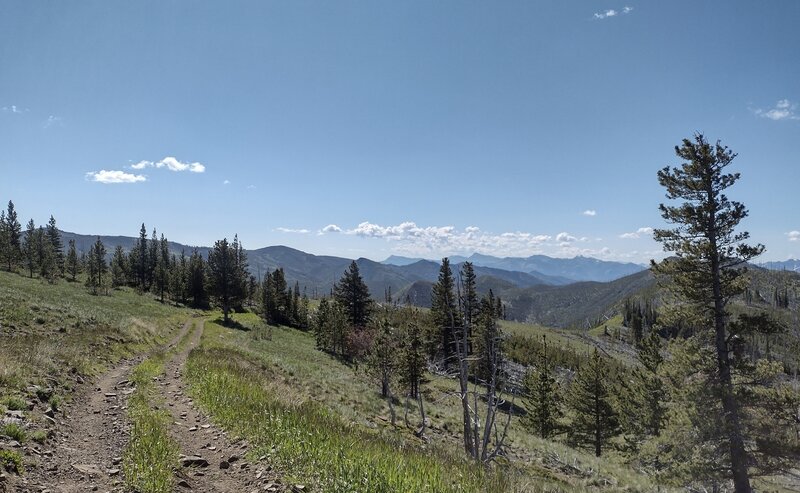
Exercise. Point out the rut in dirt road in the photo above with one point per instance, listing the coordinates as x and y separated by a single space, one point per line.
86 449
212 461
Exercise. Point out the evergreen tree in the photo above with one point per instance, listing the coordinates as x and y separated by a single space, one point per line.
139 259
543 402
153 249
240 274
96 268
161 276
595 420
44 255
412 358
280 303
72 265
11 237
353 296
221 266
443 312
268 300
57 246
470 305
705 274
30 250
179 278
196 280
118 267
382 357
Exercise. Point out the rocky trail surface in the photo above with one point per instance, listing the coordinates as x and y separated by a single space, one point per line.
87 441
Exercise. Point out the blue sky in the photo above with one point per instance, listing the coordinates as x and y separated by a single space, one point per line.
419 128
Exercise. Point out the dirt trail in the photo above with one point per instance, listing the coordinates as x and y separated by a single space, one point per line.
227 469
84 454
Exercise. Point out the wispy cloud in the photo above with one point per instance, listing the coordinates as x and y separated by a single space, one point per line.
783 110
251 187
114 176
638 233
612 13
226 182
14 109
171 164
589 212
291 230
793 235
331 228
412 239
53 120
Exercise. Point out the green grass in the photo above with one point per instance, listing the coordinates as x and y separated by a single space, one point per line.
13 431
11 461
151 455
286 372
312 444
57 335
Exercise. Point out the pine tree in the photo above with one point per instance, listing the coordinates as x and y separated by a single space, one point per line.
595 420
470 304
196 280
353 296
707 271
96 267
222 275
118 267
543 402
644 404
30 249
57 246
44 255
153 248
161 276
412 358
443 312
139 259
10 237
72 265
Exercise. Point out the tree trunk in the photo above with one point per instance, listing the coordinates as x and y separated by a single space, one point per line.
730 407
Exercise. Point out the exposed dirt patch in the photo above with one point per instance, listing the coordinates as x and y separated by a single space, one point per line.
85 449
212 461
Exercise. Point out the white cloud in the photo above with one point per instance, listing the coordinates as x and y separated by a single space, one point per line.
612 13
646 230
565 237
589 212
251 187
53 120
290 230
607 13
14 109
331 228
114 176
412 239
226 182
793 235
171 164
783 110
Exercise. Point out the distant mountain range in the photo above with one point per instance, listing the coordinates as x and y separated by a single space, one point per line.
791 264
550 291
557 270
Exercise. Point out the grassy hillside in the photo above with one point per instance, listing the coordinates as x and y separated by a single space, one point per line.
56 337
310 409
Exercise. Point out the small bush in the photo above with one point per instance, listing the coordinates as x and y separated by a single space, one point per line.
11 461
13 431
39 436
15 403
